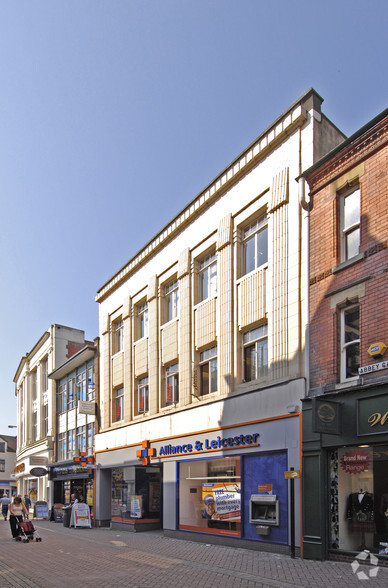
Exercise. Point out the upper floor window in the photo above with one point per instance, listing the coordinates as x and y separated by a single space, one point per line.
2 447
44 375
117 336
350 224
142 396
2 465
45 415
118 404
62 446
71 392
172 385
350 342
208 371
255 245
171 295
90 433
34 385
142 320
81 386
255 344
207 277
62 397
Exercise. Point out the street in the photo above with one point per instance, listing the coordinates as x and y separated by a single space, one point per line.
109 558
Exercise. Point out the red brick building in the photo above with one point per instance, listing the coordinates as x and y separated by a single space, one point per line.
345 417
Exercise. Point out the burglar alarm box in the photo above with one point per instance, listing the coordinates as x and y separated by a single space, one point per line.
264 509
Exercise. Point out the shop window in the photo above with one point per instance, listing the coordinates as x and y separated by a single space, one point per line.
210 496
359 499
255 349
2 465
118 404
255 245
207 277
171 384
142 320
136 493
142 396
350 224
350 342
117 336
171 300
208 371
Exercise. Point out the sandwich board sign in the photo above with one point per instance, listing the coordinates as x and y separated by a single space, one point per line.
80 515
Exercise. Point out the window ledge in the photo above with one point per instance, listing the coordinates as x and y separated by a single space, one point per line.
348 263
348 384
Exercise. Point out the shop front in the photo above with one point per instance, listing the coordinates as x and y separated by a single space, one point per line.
345 465
69 478
228 484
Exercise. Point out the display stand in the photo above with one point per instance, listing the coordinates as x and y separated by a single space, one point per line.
80 515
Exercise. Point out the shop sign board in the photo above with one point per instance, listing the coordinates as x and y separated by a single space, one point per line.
217 444
372 415
41 510
327 416
58 513
374 367
38 472
80 515
86 407
38 460
291 474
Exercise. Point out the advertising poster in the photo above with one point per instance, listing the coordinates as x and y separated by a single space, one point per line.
221 501
81 515
136 507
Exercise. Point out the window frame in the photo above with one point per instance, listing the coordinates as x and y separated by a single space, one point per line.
346 231
345 345
207 266
252 232
2 465
171 378
118 402
117 336
171 300
208 359
143 394
142 320
253 343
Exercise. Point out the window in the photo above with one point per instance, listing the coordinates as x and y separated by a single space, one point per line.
71 443
81 386
90 432
350 342
255 354
142 396
117 336
81 441
207 277
208 371
91 386
45 415
142 320
255 245
2 465
118 404
62 397
2 447
350 224
172 384
171 294
44 375
61 446
71 391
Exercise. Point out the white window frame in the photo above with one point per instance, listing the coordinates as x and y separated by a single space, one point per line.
143 394
171 390
347 229
117 336
207 277
208 365
253 340
44 375
346 345
91 388
45 414
171 298
118 397
142 320
251 235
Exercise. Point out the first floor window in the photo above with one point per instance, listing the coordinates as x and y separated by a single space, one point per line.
350 224
254 245
35 420
62 397
117 336
45 415
91 386
208 371
62 446
71 443
2 465
172 384
118 404
255 353
350 342
171 293
142 396
90 432
81 439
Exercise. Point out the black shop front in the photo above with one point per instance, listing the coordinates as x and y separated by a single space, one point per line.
70 478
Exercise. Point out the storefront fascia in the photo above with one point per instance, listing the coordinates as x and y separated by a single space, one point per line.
232 464
37 488
67 473
344 474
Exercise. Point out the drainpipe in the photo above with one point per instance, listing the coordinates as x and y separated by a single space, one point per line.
305 253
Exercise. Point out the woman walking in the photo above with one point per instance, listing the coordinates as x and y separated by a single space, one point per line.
16 510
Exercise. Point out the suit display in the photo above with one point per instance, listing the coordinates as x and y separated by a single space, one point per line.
384 509
360 512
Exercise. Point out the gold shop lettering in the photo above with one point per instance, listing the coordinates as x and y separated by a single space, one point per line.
378 418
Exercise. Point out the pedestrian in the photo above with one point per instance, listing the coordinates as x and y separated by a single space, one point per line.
16 511
5 502
27 502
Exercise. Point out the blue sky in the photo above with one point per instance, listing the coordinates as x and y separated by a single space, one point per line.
114 114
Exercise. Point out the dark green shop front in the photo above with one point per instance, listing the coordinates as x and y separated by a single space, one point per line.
345 473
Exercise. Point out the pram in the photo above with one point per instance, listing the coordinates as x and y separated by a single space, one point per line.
27 531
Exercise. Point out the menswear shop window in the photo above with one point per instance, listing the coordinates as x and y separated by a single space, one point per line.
350 342
350 224
255 245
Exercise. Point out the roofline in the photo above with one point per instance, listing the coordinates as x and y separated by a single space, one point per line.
310 93
89 351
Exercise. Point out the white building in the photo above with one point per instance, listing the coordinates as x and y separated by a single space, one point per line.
202 353
7 464
36 408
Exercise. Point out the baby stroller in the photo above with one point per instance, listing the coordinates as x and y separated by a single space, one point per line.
27 531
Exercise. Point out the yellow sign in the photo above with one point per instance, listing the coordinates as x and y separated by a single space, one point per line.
377 349
292 474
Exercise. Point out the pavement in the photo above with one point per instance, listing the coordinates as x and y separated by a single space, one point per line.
101 558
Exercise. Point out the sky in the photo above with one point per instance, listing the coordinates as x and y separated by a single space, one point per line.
114 114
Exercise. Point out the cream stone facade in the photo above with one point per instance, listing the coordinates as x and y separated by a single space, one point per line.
202 340
36 408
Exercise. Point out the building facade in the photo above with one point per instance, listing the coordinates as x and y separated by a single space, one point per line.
345 418
76 392
202 353
7 465
36 409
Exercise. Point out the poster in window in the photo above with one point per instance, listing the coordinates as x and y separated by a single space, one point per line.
221 501
136 507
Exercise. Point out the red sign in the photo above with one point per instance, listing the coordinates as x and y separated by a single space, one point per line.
264 488
355 461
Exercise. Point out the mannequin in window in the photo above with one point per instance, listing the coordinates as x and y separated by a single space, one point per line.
360 511
384 509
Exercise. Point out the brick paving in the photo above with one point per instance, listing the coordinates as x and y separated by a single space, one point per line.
102 558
